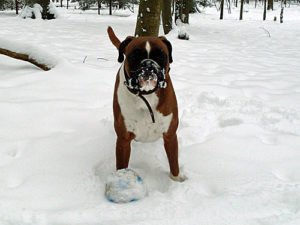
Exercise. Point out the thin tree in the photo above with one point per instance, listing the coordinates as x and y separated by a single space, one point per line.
45 6
222 9
265 10
242 9
281 15
270 4
167 15
148 18
182 10
17 7
110 7
98 6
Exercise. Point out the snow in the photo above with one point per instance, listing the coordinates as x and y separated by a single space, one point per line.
40 55
238 90
26 12
37 11
53 10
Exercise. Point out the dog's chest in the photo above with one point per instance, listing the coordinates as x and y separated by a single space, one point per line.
137 117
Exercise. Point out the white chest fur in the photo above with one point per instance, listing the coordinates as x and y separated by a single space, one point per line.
137 116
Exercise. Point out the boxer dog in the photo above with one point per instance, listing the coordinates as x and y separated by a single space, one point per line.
144 103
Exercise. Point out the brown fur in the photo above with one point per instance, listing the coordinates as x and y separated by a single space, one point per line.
113 38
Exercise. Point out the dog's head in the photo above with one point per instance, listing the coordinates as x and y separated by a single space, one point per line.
146 60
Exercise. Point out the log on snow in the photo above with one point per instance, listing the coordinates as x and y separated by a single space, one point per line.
28 53
24 57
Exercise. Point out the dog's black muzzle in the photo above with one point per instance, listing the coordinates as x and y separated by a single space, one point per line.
148 70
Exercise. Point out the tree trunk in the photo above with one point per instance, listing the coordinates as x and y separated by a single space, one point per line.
222 9
242 9
148 18
187 7
17 7
110 7
178 10
45 6
182 10
167 15
265 10
281 15
99 6
270 4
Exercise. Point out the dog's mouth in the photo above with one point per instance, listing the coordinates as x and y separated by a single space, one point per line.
147 78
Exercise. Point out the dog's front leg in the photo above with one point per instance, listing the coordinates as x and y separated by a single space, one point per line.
171 147
123 149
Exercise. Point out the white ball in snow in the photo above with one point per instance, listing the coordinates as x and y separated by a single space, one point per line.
124 186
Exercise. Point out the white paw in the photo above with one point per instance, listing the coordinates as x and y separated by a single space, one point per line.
179 178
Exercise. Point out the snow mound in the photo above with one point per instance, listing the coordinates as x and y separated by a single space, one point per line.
125 186
34 52
53 10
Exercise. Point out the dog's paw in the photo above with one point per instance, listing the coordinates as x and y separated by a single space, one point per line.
179 178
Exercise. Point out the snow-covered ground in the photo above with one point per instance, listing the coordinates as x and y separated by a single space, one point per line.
238 87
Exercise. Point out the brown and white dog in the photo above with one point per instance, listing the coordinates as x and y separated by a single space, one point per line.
144 104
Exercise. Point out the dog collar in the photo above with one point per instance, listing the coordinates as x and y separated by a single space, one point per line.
134 89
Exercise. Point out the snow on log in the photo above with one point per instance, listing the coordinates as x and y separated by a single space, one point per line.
28 53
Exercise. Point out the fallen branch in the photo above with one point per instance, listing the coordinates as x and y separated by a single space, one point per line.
266 31
28 53
23 57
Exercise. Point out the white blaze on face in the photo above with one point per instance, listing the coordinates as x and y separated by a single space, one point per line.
148 48
150 84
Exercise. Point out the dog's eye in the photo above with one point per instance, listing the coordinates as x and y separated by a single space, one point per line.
158 56
137 56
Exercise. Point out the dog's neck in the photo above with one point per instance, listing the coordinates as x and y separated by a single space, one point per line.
124 78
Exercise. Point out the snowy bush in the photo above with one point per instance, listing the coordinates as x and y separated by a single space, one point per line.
6 4
36 11
27 12
52 10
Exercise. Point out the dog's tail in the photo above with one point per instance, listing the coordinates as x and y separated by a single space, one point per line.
113 38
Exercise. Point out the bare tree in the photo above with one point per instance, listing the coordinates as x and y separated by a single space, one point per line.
270 4
242 9
148 18
222 9
167 15
265 10
182 10
17 6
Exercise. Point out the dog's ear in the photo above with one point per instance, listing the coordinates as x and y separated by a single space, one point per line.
122 47
113 38
169 46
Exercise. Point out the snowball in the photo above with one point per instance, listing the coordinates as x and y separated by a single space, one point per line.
124 186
